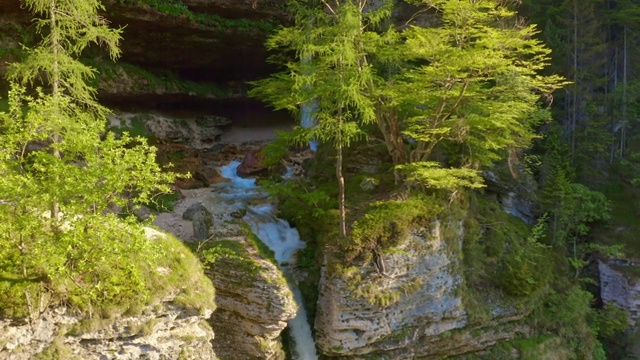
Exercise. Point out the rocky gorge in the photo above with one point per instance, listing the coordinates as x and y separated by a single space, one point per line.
181 82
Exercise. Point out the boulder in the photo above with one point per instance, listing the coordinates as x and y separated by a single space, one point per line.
208 175
201 219
252 164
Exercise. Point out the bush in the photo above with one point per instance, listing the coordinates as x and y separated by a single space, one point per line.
386 224
99 266
523 267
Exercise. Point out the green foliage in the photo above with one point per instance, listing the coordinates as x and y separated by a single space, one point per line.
300 200
630 168
520 272
330 72
385 224
573 209
143 80
67 29
57 350
222 251
179 270
241 255
100 266
611 321
431 175
472 81
164 201
330 68
502 250
59 174
179 8
535 348
566 314
275 151
170 7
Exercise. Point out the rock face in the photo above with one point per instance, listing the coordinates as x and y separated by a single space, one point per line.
221 42
424 314
196 132
222 50
164 331
253 300
619 286
252 164
254 306
201 219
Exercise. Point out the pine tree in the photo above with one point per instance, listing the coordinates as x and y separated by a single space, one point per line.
331 69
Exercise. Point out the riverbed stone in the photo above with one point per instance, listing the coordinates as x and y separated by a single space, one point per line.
252 164
201 219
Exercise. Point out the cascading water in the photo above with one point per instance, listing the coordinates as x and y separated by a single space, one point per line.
307 120
279 237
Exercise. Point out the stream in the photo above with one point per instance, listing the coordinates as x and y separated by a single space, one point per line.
281 238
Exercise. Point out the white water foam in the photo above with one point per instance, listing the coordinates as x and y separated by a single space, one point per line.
279 237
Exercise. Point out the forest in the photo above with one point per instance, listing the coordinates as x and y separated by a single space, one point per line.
507 128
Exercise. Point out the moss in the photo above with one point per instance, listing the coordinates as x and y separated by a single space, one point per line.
149 327
386 224
232 253
263 250
86 326
146 81
178 8
57 350
185 275
164 202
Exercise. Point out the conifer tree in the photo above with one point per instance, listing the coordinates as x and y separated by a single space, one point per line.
60 171
331 69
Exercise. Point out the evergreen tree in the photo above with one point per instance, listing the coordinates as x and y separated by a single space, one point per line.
60 171
331 69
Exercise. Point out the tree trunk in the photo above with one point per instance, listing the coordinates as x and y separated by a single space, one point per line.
55 89
623 128
574 109
389 125
339 175
340 178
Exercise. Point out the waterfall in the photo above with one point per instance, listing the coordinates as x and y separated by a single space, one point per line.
282 239
308 109
307 120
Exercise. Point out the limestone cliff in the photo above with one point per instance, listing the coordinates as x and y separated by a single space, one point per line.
172 326
205 49
423 312
163 331
253 300
254 305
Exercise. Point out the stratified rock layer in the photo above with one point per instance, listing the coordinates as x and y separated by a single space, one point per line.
424 314
619 286
164 331
254 306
